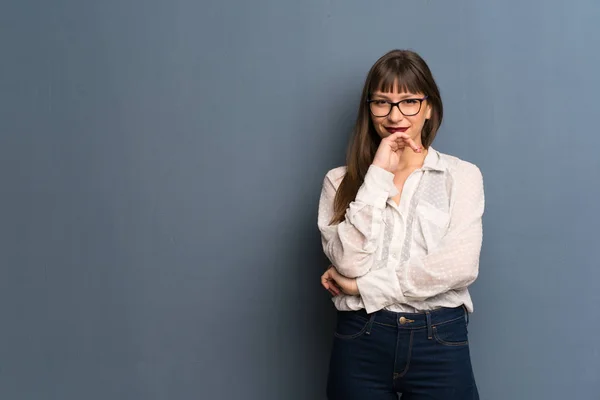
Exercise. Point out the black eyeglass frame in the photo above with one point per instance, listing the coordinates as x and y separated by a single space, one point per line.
397 104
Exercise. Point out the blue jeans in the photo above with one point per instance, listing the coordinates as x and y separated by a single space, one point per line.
423 356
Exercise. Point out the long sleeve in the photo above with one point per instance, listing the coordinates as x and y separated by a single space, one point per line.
453 263
351 245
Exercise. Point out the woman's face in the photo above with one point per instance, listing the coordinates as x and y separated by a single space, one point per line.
396 121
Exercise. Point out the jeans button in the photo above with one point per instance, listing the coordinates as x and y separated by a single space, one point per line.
402 320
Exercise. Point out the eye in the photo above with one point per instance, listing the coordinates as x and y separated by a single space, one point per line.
379 102
410 101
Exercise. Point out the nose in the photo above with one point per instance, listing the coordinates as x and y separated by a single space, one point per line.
395 115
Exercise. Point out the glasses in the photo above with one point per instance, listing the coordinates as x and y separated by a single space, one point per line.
408 107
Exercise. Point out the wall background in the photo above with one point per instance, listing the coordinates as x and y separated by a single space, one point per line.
160 166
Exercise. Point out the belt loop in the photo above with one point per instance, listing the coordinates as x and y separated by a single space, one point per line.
429 327
466 314
370 324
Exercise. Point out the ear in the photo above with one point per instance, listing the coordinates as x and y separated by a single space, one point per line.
428 113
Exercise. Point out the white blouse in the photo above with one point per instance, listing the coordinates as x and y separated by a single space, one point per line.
419 255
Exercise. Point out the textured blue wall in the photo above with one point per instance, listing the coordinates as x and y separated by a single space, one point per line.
160 166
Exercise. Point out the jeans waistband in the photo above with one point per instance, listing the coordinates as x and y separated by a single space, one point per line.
426 319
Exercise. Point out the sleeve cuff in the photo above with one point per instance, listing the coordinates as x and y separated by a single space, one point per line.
377 188
379 289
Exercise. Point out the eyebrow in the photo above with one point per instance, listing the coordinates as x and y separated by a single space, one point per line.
403 97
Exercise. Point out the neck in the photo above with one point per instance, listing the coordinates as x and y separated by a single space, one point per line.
411 160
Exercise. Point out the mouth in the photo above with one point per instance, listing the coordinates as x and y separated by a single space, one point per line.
394 130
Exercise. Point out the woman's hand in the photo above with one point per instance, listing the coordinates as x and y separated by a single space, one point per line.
389 150
336 283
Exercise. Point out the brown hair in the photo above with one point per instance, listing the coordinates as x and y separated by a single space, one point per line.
409 73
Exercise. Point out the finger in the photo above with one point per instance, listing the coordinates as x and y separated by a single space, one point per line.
398 135
332 285
413 145
329 283
400 144
390 138
325 281
334 288
339 280
334 274
402 140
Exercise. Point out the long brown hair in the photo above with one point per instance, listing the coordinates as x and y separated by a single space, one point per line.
409 73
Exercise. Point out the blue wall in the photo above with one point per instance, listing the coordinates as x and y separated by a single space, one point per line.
161 164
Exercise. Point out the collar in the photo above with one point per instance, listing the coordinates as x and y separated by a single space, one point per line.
434 161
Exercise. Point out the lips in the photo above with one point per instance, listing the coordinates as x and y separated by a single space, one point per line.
394 130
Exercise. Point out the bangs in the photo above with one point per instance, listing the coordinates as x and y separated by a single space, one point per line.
397 76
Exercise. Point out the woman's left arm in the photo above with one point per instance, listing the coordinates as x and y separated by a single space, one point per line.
454 264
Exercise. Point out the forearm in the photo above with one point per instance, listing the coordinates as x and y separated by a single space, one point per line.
421 278
352 244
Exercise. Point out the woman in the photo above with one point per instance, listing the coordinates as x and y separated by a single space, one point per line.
402 227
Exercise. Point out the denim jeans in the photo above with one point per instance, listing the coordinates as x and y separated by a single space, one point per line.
422 356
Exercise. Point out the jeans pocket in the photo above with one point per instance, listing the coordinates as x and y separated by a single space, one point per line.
452 333
350 325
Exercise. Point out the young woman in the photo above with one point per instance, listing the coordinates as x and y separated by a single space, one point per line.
402 227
